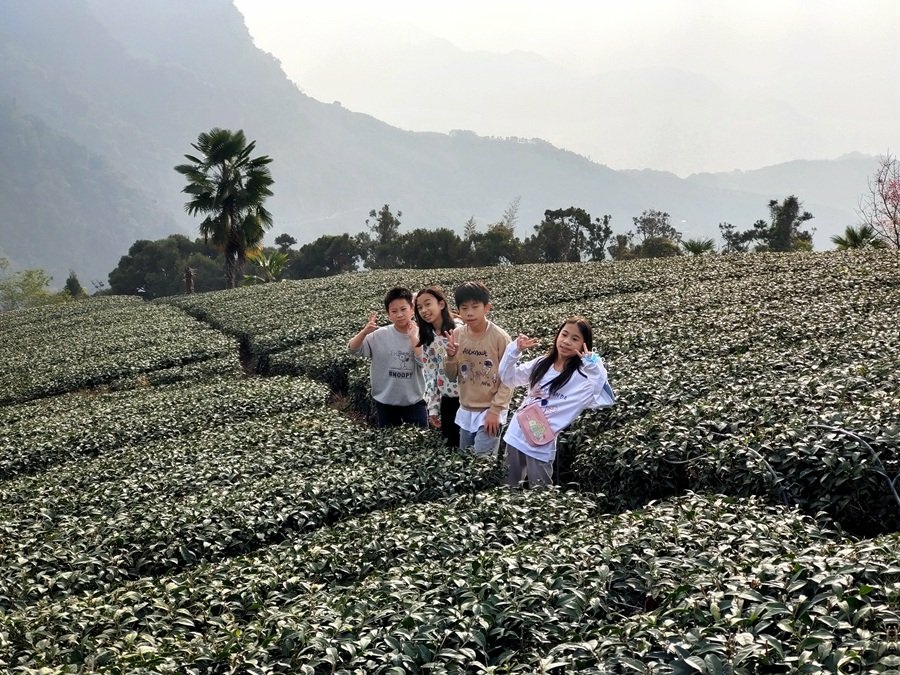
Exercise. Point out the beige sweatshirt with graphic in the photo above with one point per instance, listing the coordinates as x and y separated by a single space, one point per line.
476 367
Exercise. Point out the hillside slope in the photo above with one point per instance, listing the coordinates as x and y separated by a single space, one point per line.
160 521
135 82
68 208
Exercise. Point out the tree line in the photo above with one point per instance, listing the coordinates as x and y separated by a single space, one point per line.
228 186
571 234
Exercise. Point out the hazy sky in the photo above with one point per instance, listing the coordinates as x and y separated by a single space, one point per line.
680 85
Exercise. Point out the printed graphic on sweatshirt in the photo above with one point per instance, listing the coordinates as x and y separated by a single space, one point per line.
480 372
537 393
402 366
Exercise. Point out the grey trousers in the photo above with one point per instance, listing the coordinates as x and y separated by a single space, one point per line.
519 465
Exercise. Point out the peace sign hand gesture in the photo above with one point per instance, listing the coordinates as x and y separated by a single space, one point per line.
372 324
588 357
452 344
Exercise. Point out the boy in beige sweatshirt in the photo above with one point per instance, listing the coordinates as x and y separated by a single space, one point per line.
473 359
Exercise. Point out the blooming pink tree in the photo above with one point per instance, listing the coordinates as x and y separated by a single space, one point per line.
880 208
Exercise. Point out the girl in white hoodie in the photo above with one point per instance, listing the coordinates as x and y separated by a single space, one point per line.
562 383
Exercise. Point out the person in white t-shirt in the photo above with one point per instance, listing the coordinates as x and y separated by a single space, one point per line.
561 384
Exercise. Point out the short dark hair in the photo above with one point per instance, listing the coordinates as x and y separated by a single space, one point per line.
397 293
471 291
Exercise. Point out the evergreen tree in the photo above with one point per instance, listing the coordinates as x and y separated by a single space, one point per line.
73 287
284 242
659 238
327 255
568 235
154 269
781 233
381 250
427 249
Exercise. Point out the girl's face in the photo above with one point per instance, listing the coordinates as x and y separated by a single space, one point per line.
569 341
430 309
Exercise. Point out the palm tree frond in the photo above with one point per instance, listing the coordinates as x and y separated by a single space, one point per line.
857 237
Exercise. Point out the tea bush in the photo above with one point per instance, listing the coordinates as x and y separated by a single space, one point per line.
104 341
43 433
236 590
727 403
158 507
180 519
697 584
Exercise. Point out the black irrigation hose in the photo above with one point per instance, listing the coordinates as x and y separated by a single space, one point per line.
783 493
777 478
880 470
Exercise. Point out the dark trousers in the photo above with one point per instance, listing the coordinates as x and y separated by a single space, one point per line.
449 430
395 415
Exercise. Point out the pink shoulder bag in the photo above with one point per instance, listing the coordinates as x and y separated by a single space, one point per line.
534 424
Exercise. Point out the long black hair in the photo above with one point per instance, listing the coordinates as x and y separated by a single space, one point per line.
426 330
573 363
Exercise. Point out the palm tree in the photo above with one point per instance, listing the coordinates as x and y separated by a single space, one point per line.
270 267
229 187
699 246
858 237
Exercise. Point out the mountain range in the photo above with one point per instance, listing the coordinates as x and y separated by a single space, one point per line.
100 99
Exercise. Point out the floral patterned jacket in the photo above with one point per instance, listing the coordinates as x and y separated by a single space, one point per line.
437 383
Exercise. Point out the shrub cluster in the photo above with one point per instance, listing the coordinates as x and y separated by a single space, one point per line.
61 429
498 582
722 388
118 342
217 524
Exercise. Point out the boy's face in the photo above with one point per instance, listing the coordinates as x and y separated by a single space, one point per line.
400 312
474 313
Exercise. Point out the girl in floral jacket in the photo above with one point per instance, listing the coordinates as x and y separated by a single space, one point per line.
436 323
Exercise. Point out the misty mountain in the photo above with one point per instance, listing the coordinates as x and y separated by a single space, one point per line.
106 96
837 183
616 113
62 203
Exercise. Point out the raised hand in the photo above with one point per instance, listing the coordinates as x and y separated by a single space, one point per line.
524 342
372 325
588 356
413 332
452 344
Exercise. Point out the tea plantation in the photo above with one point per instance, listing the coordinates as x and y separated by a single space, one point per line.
188 486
